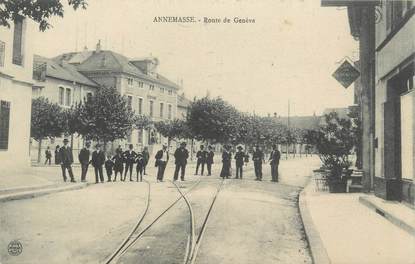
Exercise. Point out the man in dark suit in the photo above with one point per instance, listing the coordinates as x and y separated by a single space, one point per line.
201 159
66 157
209 160
83 157
239 162
98 160
258 157
129 158
181 155
162 157
274 158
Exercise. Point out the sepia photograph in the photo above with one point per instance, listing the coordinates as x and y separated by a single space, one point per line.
207 132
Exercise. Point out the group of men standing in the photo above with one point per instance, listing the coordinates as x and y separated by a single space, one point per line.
99 160
123 162
181 155
242 158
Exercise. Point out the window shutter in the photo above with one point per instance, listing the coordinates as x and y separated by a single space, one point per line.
4 124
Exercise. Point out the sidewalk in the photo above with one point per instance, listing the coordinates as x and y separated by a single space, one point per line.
43 179
35 181
341 229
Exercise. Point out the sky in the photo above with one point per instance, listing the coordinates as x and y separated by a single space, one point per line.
288 54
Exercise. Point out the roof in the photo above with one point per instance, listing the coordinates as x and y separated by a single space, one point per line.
342 112
302 122
62 71
107 60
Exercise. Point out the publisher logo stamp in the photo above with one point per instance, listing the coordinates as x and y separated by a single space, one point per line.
15 248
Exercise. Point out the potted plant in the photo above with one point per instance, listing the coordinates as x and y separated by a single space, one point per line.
335 141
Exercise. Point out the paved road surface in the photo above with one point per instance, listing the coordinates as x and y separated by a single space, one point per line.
251 222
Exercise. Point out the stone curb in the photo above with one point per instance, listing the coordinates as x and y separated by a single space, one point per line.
28 188
388 215
318 251
36 193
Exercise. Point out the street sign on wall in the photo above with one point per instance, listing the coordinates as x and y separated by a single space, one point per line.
346 74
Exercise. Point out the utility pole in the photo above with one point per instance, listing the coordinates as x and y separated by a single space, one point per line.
289 132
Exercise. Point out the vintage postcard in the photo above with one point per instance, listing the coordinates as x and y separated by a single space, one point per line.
207 132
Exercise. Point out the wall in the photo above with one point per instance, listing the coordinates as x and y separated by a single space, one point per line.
391 57
15 87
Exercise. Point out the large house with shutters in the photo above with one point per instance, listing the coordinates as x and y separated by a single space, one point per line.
15 94
62 84
70 77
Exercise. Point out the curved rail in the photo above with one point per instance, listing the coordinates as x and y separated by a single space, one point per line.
133 240
196 247
130 235
189 249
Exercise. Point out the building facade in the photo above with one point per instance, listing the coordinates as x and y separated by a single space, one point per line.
395 101
149 93
62 84
385 30
15 94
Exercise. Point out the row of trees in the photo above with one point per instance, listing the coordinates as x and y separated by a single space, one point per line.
107 116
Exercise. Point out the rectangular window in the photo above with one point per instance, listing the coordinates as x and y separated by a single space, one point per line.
89 97
130 81
151 108
170 112
18 41
61 95
151 86
140 106
162 89
170 92
2 53
68 98
396 11
4 124
161 109
140 84
130 100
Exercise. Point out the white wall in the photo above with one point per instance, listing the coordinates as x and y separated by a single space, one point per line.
16 87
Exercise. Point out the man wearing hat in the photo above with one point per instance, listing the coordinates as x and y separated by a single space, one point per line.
83 157
162 157
209 160
239 162
129 157
274 159
180 155
201 159
65 153
258 157
98 160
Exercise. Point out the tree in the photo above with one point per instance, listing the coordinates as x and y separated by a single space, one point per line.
335 141
106 116
47 121
172 129
142 122
38 10
213 119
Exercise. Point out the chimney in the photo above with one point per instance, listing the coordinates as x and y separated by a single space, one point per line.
98 47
